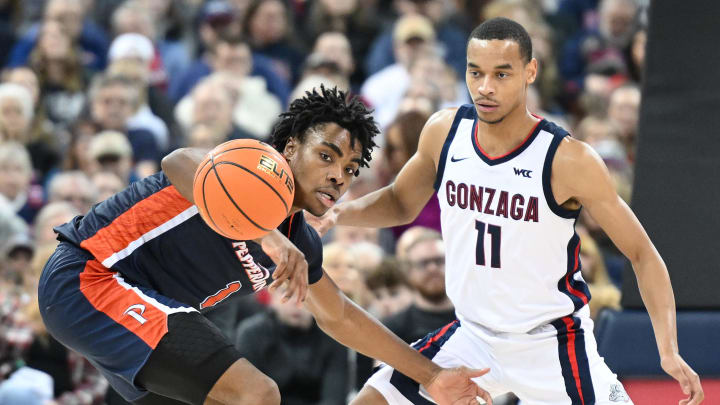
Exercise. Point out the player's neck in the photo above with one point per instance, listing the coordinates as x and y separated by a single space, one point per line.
427 305
500 138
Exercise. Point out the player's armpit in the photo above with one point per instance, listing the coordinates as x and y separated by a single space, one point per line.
179 166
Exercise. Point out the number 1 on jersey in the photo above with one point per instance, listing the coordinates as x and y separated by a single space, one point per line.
494 232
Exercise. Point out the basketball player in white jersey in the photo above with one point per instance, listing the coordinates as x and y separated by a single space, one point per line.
511 186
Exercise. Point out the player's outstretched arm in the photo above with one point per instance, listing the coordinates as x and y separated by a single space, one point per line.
579 173
350 325
401 201
180 165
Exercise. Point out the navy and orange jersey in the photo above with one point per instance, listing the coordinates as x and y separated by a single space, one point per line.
155 238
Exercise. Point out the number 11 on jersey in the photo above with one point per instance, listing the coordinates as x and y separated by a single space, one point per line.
494 231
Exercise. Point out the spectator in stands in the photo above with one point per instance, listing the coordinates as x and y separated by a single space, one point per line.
285 343
110 151
450 37
431 308
237 107
600 49
268 27
16 112
113 100
16 186
50 216
15 258
332 57
73 187
62 76
107 184
226 51
131 56
402 137
353 20
341 265
624 111
388 288
636 57
42 142
81 31
413 36
604 293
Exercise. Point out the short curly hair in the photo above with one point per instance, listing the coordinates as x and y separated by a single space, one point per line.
326 106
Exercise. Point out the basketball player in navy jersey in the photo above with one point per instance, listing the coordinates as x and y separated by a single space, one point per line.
128 280
511 186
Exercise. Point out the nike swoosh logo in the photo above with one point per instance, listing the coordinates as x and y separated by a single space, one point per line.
452 159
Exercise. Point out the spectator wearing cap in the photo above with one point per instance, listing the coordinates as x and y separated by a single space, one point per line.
413 36
110 151
16 256
221 46
112 102
171 56
74 187
131 56
16 185
82 31
451 39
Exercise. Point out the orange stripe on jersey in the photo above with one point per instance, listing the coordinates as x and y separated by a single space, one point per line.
437 337
122 305
141 218
221 295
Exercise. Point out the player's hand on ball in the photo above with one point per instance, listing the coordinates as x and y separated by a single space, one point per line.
324 223
291 266
689 381
453 386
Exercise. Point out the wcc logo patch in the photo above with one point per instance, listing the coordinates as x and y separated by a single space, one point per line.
522 172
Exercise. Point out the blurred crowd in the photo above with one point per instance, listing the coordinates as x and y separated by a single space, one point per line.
94 93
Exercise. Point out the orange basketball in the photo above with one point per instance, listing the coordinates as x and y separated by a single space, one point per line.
243 189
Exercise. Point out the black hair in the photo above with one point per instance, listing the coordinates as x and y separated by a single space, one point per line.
505 28
325 106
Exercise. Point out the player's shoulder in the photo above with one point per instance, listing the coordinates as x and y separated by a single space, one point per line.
438 126
572 152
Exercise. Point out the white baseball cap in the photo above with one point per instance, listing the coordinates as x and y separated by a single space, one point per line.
131 45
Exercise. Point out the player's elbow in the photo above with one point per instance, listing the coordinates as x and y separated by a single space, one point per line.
169 162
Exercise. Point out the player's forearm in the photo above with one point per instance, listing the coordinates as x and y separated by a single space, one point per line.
180 165
356 329
379 209
657 294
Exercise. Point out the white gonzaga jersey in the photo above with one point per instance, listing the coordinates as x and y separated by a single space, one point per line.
512 254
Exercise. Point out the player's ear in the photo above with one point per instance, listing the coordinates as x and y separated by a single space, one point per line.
291 148
531 69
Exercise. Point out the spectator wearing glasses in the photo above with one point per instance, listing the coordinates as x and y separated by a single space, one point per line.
425 270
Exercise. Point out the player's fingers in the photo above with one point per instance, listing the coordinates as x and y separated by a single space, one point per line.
474 372
485 396
696 391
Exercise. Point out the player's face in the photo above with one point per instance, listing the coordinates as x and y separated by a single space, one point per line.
497 78
324 165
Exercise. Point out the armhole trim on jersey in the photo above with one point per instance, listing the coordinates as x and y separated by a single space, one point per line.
546 177
290 222
461 113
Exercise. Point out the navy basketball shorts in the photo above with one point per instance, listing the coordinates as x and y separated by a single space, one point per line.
554 364
144 343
